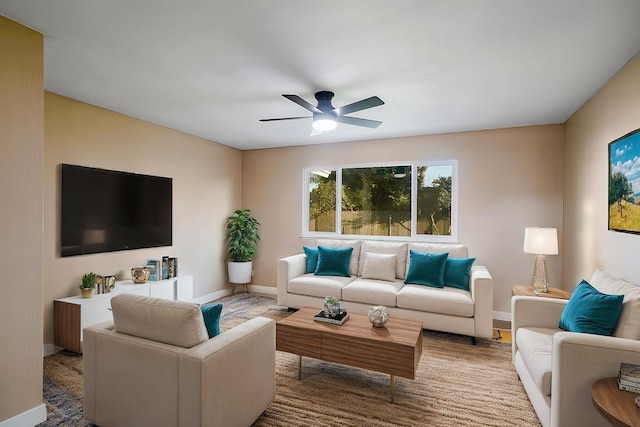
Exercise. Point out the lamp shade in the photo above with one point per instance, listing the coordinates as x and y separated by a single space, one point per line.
541 241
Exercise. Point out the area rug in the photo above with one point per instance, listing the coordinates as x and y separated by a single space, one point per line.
456 384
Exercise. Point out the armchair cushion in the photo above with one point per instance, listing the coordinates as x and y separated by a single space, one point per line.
591 311
535 346
171 322
629 321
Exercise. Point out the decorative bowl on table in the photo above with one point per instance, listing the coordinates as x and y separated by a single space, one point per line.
140 275
379 315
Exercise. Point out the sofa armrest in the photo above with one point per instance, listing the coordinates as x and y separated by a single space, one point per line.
288 268
579 360
229 379
538 312
481 287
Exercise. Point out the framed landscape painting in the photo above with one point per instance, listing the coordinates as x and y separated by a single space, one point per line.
624 183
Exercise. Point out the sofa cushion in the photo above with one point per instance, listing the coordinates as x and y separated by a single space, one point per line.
535 347
455 250
379 266
333 261
452 301
457 272
374 292
178 323
211 314
312 258
590 311
426 269
380 247
355 255
318 286
629 320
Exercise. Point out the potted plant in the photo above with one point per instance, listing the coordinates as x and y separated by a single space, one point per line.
88 284
242 243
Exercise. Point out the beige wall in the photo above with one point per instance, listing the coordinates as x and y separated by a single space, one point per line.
206 188
612 113
508 179
21 141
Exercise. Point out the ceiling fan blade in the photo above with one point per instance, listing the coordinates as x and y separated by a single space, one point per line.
285 118
374 101
301 102
358 122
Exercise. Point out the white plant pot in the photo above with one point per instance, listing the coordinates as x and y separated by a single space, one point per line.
240 272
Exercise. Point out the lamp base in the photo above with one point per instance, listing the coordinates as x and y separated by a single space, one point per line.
539 281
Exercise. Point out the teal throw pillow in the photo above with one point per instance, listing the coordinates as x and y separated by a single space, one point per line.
333 261
591 311
426 269
457 272
312 258
211 314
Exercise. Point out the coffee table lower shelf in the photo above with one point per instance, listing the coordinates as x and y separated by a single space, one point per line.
394 349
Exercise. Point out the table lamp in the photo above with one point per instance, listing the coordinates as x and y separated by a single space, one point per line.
541 242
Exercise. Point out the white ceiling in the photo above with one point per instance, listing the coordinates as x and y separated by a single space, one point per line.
214 68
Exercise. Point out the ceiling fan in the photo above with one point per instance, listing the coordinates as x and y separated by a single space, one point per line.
326 116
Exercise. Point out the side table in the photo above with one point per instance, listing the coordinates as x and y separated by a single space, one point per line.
527 290
615 405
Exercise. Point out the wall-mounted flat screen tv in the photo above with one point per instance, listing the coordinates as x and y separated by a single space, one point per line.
106 210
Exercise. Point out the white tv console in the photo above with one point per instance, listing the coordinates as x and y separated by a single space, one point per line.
73 314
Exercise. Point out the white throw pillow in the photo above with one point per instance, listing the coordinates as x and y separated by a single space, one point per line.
379 266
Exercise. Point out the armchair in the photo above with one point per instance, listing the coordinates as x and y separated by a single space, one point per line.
165 371
557 368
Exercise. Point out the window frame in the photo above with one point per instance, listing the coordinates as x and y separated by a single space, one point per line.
306 233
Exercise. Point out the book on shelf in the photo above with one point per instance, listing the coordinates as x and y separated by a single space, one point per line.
154 269
629 372
336 319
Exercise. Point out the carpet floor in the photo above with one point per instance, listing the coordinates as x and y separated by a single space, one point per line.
457 384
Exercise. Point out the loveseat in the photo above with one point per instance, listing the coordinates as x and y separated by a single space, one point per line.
157 366
556 367
377 271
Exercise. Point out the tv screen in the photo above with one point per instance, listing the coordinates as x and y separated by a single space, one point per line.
105 210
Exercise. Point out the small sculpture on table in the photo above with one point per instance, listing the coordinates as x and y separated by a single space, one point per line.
379 315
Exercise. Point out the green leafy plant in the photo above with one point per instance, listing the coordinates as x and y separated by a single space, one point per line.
242 235
88 281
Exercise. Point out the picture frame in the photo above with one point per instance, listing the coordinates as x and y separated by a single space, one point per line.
624 183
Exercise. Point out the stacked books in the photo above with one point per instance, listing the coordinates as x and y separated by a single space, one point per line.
336 319
629 377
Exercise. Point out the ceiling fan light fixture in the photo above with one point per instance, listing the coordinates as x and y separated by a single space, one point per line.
324 125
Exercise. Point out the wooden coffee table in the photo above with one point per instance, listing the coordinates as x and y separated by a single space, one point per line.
394 349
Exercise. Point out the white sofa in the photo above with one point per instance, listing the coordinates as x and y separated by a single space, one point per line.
557 368
445 309
165 371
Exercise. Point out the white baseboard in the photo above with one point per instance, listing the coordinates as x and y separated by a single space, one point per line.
50 349
32 417
502 315
265 290
213 296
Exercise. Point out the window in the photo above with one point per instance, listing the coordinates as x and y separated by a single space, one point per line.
398 201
